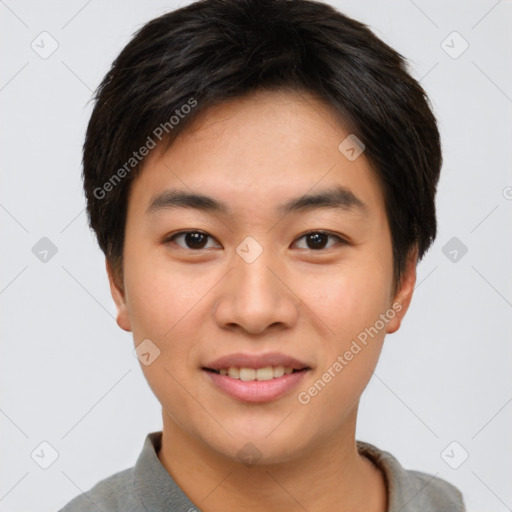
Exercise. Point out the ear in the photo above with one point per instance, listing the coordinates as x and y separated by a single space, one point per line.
118 294
403 296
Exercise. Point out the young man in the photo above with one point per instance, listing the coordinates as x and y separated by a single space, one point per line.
261 177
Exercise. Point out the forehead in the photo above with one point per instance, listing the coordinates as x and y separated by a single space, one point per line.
265 149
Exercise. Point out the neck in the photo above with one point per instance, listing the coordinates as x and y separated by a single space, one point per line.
329 476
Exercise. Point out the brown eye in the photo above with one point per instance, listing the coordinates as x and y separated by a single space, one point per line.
317 240
192 239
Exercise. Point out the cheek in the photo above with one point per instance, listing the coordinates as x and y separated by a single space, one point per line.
351 307
164 305
161 297
348 300
168 304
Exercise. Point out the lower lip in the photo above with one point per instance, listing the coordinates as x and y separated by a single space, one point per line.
257 391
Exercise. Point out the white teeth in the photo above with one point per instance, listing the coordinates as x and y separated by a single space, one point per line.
247 373
279 371
234 373
265 373
250 374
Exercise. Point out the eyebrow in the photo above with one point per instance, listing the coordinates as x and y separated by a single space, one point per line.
338 197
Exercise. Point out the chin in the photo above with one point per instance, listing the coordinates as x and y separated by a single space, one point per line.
261 443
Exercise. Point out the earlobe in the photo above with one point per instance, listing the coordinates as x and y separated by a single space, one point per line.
118 294
403 296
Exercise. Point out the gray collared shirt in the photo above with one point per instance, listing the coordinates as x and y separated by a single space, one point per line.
148 487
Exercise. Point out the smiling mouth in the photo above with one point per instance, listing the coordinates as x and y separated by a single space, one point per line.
259 374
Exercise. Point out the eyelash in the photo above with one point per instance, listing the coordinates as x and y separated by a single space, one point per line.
172 238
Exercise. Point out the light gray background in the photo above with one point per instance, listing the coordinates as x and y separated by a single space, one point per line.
68 374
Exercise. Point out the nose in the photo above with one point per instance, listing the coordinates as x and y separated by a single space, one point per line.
255 297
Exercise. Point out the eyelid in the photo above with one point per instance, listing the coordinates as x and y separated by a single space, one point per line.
170 238
341 240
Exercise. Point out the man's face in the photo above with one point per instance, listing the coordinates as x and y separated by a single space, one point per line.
257 278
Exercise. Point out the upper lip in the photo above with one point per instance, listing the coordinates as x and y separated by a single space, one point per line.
247 360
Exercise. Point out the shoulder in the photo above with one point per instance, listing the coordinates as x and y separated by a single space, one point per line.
113 494
440 494
413 491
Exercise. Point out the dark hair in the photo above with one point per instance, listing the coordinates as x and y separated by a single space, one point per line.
211 51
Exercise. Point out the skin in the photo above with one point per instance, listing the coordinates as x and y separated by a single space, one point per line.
255 153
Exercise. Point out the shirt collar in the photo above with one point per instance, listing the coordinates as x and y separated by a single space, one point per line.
156 488
412 491
406 490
